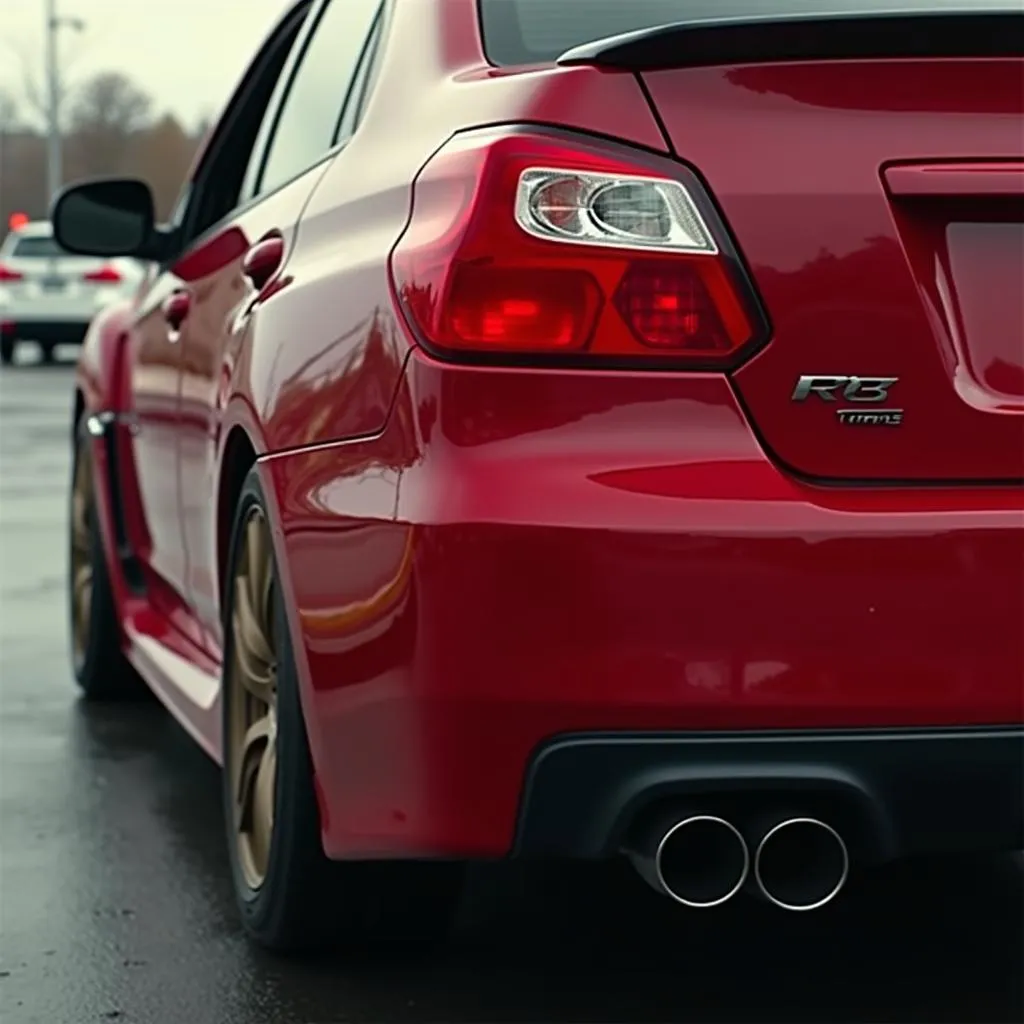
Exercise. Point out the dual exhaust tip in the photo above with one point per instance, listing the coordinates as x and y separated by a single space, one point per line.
702 861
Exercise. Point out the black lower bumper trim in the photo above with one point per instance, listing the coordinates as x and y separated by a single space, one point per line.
106 425
902 793
51 332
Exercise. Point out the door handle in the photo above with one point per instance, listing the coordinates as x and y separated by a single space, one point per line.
263 261
175 308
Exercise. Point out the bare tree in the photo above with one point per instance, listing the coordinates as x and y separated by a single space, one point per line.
33 84
112 133
162 156
107 112
8 120
23 173
8 110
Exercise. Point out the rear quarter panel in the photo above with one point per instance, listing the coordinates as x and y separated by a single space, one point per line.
322 361
325 353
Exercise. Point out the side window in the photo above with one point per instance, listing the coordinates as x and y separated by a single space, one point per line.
250 183
305 128
218 184
361 84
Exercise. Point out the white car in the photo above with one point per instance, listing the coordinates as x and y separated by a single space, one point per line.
49 296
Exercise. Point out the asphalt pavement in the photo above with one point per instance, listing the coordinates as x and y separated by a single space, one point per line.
115 902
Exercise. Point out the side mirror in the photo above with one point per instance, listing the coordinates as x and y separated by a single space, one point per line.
108 217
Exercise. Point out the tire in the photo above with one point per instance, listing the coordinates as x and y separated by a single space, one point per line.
100 668
7 346
296 899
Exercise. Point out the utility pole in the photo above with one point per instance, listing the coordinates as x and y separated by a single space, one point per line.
54 94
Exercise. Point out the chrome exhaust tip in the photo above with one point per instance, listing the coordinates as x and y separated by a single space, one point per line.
700 862
801 864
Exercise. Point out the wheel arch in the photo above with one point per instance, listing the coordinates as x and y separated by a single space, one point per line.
239 457
240 454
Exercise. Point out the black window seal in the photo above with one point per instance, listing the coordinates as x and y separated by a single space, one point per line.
369 58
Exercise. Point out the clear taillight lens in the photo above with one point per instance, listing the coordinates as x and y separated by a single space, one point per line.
611 210
539 245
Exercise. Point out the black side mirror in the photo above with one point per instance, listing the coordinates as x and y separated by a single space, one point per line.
109 217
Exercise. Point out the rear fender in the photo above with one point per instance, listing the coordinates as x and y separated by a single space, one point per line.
99 376
102 399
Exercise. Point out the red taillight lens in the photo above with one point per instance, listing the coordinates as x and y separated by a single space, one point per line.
105 275
522 242
671 307
6 274
515 309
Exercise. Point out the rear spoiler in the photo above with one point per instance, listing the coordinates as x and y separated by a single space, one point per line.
995 31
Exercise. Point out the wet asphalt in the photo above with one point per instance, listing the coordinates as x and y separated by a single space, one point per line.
115 902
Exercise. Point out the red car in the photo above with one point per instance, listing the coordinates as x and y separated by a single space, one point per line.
562 428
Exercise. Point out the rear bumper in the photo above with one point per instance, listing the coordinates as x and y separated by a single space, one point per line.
518 558
47 332
893 793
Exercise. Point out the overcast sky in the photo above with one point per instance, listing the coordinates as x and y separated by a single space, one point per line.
187 54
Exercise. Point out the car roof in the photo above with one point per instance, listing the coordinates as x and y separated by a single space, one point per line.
34 229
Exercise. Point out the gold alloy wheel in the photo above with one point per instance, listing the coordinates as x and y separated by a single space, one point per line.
81 552
252 722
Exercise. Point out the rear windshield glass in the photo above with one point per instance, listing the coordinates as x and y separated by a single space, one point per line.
540 31
37 246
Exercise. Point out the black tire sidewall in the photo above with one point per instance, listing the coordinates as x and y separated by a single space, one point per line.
101 671
296 864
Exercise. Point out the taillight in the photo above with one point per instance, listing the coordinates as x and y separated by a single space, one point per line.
540 245
105 275
6 274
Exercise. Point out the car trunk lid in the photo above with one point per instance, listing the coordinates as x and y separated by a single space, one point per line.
880 207
871 169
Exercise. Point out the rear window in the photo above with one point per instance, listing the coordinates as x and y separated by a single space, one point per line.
37 247
540 31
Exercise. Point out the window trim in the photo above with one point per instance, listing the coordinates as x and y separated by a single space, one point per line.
380 28
314 22
366 68
282 88
195 190
376 61
299 55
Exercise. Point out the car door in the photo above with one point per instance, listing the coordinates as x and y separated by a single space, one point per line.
254 245
152 367
155 343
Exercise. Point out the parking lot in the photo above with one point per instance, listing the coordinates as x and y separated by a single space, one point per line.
115 902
